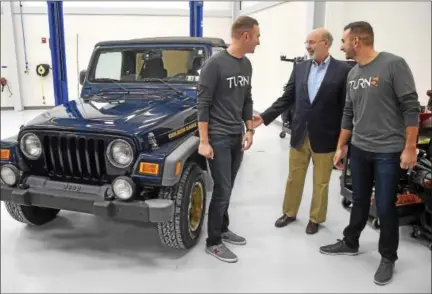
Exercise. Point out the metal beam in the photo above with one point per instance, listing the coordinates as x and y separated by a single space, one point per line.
196 18
235 10
319 14
58 51
123 11
10 64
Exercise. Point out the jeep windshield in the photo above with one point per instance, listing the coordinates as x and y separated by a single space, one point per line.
160 65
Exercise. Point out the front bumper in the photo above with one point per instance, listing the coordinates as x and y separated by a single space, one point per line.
89 199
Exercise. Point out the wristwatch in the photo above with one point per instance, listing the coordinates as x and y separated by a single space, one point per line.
251 130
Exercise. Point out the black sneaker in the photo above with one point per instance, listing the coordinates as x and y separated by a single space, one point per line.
384 274
339 248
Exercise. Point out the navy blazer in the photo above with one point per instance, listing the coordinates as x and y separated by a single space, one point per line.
321 119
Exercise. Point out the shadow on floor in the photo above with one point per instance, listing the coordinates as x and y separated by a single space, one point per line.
77 234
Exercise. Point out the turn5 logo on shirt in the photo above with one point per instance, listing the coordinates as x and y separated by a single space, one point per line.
364 83
237 81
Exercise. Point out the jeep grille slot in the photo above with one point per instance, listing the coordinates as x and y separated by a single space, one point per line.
73 157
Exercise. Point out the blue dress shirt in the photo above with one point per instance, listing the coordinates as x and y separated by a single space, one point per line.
316 76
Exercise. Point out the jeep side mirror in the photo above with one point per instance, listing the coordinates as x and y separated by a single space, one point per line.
82 76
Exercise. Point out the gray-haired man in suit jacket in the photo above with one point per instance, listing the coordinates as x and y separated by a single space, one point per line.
317 86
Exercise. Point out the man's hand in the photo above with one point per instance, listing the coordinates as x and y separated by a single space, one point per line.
206 150
408 158
340 153
247 141
257 120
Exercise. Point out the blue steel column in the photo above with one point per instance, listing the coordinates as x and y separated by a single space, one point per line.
196 18
58 51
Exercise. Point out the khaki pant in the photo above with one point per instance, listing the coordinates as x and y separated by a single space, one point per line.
298 164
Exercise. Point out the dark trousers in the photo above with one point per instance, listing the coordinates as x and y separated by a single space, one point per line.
384 168
223 167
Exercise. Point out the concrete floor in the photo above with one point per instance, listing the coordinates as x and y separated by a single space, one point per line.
82 253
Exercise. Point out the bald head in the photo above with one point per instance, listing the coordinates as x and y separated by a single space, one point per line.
318 43
325 35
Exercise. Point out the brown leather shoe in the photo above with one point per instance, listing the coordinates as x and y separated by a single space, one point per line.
284 220
312 228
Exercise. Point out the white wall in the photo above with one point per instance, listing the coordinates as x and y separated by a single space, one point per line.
283 31
110 24
402 28
6 55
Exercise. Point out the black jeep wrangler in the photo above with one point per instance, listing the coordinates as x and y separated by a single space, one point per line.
126 149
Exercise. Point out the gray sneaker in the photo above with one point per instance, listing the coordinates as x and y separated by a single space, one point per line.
232 238
339 248
384 274
221 252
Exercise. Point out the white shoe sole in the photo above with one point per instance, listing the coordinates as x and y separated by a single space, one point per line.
382 283
341 253
234 242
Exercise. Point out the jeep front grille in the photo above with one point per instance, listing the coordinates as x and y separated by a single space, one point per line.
73 157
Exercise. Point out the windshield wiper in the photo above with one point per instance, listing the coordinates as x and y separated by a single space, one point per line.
102 97
115 82
163 82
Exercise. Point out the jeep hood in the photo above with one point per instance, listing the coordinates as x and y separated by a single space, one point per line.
129 116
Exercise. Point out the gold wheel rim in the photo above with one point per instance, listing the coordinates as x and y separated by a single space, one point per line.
196 206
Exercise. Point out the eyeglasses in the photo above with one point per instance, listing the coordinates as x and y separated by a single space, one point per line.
312 42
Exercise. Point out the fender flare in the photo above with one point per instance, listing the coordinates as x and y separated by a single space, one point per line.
182 153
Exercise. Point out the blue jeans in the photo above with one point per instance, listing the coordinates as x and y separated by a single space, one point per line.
384 169
223 167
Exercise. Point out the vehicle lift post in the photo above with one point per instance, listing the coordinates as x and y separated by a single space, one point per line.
196 18
58 52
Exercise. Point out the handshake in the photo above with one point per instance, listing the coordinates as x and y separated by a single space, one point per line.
257 120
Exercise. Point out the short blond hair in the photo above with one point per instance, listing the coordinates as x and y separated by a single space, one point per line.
243 24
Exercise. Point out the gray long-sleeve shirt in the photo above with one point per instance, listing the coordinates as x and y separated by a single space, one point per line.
381 103
224 94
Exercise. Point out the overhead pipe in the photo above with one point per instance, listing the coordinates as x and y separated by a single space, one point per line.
24 40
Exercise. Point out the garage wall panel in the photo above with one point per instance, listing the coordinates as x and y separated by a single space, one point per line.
283 31
80 37
402 28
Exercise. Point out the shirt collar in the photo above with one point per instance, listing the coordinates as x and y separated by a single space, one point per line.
325 61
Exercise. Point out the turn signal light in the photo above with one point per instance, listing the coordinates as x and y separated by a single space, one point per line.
178 168
5 154
149 168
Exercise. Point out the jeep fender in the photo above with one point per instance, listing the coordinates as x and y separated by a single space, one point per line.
185 151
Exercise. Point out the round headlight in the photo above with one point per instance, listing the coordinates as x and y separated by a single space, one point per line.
120 153
123 188
9 175
31 146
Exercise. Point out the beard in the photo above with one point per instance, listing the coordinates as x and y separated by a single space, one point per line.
311 54
349 54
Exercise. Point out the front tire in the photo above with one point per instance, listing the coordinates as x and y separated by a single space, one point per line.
189 196
31 215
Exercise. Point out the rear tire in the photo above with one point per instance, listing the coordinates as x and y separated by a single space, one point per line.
31 215
189 196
